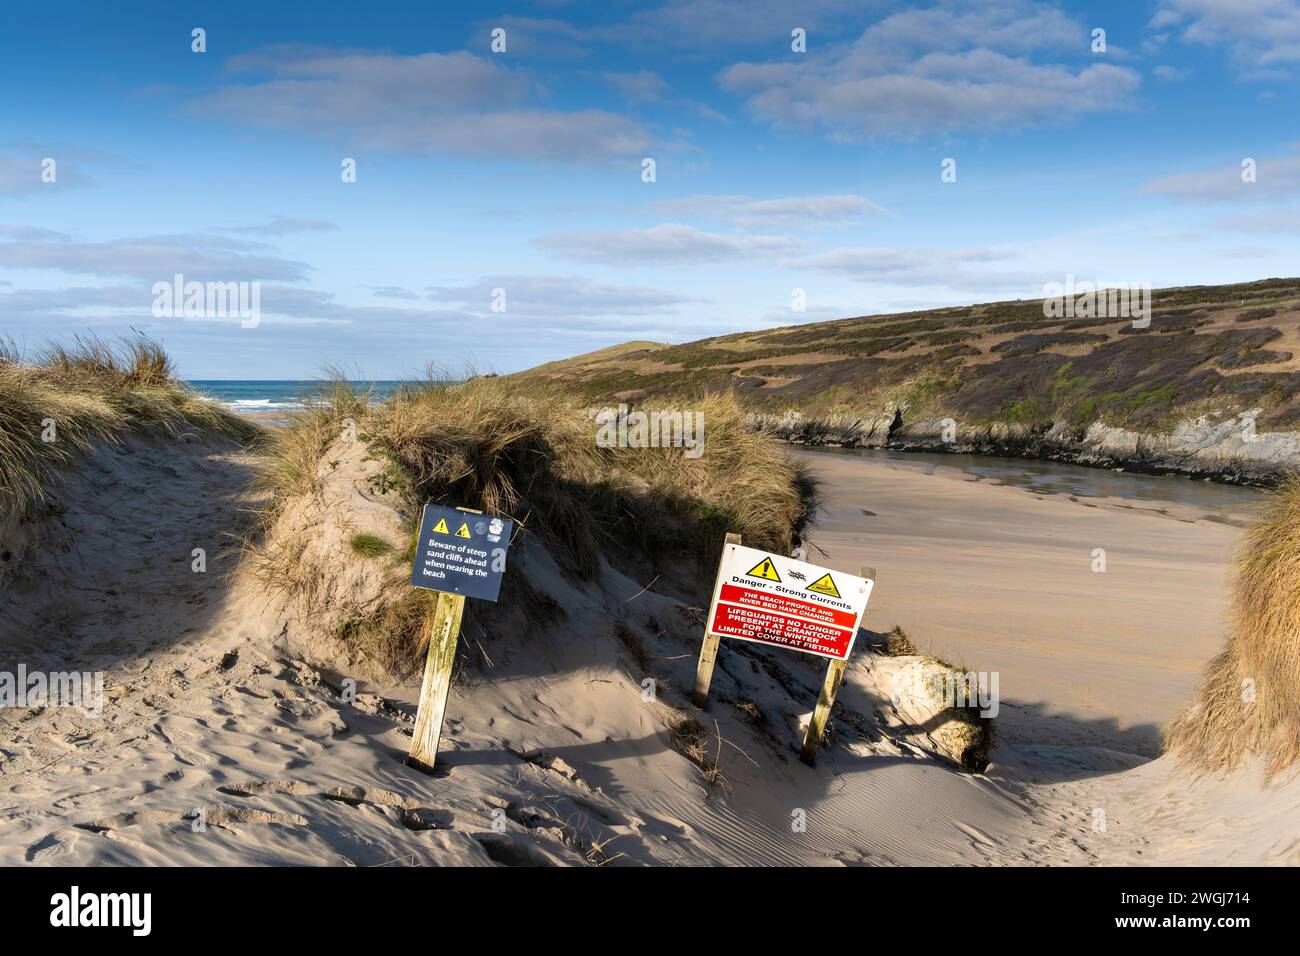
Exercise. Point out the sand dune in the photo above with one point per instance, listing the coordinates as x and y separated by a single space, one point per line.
213 706
552 755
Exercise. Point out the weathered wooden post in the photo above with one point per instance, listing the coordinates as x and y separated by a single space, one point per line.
822 712
444 629
709 649
826 699
459 553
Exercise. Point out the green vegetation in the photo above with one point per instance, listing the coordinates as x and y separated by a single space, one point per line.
370 546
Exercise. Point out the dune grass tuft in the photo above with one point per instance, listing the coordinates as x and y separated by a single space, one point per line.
67 399
370 546
1249 701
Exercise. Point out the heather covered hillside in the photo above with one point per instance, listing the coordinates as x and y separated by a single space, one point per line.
1214 351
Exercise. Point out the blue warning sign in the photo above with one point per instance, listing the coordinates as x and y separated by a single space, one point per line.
461 552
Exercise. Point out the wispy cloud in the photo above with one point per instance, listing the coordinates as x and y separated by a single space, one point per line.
1285 221
786 212
955 66
941 268
673 243
20 173
284 225
199 256
641 86
1263 36
557 296
454 103
1276 177
722 24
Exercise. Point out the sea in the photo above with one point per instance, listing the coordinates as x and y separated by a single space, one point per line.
272 397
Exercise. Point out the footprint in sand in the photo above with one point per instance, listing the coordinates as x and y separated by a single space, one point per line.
49 849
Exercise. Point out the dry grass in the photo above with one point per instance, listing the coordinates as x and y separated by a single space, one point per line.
295 451
534 458
481 445
395 633
83 395
896 643
692 740
1249 701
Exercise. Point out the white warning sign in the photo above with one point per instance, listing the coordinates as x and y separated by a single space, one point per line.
771 599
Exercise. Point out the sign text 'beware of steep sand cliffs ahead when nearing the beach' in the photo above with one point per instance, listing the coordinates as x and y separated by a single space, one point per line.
771 599
461 552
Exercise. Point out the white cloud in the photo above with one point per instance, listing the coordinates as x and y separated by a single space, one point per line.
21 175
284 225
393 292
557 296
198 256
533 37
785 212
715 24
945 268
954 66
453 103
1263 36
642 86
1274 222
1273 178
673 243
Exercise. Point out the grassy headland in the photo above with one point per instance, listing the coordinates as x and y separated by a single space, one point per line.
1209 350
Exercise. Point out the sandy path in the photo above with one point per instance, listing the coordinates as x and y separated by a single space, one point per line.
996 578
553 753
210 708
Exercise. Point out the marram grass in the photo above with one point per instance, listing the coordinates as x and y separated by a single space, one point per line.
67 399
535 458
1249 700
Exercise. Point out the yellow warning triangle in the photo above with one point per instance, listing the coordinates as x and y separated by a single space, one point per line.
463 532
824 585
441 527
764 569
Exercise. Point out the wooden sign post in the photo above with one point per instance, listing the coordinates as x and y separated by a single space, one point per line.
822 712
709 649
784 602
444 629
460 553
826 699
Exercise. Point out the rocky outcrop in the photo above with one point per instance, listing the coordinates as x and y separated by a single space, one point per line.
1229 449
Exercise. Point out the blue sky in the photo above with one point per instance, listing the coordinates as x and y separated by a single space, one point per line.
522 170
